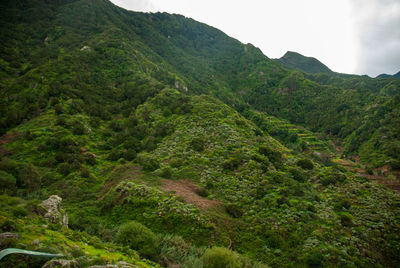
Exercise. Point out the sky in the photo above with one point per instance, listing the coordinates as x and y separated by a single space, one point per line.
349 36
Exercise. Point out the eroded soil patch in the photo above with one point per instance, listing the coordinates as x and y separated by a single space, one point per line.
187 190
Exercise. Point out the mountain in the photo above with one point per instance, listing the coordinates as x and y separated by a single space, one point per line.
397 76
293 60
172 144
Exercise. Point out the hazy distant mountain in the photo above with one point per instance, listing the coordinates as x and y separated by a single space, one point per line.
294 60
397 75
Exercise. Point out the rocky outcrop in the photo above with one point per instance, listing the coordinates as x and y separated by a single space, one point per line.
120 264
7 238
61 263
54 212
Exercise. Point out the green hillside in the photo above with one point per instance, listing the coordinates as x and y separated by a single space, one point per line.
174 145
293 60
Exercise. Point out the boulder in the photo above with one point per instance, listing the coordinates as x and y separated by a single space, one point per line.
35 242
61 263
7 238
120 264
54 212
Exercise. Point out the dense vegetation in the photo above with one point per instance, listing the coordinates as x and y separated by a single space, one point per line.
172 142
293 60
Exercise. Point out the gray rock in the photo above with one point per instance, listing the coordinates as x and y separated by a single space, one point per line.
123 264
61 263
120 264
55 213
104 266
8 236
35 242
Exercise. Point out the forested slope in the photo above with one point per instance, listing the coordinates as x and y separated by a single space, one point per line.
161 120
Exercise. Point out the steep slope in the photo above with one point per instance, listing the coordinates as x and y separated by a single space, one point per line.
174 50
113 109
293 60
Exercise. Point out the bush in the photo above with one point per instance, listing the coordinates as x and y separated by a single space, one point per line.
218 257
305 164
198 144
129 154
369 170
202 192
315 259
332 177
148 162
85 172
166 173
234 210
7 181
78 128
297 174
29 177
274 156
346 219
114 155
138 237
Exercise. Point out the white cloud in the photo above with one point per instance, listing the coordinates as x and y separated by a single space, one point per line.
378 34
136 5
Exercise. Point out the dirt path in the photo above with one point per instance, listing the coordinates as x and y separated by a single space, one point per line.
187 190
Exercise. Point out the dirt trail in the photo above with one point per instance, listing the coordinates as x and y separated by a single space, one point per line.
187 190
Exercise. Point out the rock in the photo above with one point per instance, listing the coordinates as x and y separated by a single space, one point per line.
104 266
61 263
123 264
85 48
54 212
35 242
4 237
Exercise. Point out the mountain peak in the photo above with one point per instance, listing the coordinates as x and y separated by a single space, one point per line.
294 60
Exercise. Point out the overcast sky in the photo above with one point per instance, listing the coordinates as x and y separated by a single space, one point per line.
349 36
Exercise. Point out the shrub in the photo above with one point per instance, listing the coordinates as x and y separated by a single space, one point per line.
315 259
218 257
7 181
78 128
343 203
166 173
198 144
138 237
332 176
305 164
129 154
297 174
274 156
202 192
346 219
148 162
29 177
234 210
85 172
114 155
273 239
369 170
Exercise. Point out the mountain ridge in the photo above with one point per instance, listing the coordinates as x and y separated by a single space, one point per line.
294 60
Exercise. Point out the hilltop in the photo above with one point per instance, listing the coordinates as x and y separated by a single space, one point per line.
294 60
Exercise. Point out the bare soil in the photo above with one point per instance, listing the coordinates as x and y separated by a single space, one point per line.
187 190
